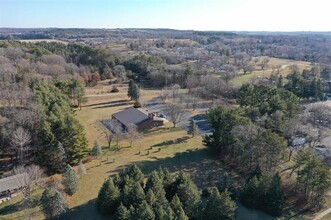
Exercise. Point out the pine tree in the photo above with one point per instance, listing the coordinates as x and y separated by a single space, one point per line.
135 92
144 212
122 213
155 183
130 89
70 181
190 196
177 207
150 198
136 174
219 206
108 197
169 214
96 150
59 157
250 193
46 202
181 215
137 195
275 197
188 71
192 129
60 205
227 184
280 82
48 142
53 203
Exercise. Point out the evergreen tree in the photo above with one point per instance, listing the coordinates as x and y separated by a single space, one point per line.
177 207
48 141
150 198
53 203
222 121
122 213
144 212
46 202
135 173
59 158
108 198
96 150
59 125
70 181
219 206
192 129
60 205
137 195
181 215
227 184
275 197
280 82
190 196
135 92
155 183
169 214
250 193
130 89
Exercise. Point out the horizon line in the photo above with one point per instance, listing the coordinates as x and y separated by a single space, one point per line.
163 28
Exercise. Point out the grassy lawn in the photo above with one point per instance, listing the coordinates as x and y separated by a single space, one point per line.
260 74
163 146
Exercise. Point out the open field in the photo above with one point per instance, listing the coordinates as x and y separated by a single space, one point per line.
273 63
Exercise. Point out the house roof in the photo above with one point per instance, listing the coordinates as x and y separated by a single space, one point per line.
130 116
13 182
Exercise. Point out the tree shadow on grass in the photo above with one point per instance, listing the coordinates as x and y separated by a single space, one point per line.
107 103
171 142
87 211
202 165
112 105
10 208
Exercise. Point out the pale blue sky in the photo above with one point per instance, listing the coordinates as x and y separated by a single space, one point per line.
238 15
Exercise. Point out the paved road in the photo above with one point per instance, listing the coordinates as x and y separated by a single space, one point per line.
199 118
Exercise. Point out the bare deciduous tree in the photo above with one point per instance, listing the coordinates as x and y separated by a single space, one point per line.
20 139
30 178
117 131
264 63
105 128
174 91
132 133
175 113
163 96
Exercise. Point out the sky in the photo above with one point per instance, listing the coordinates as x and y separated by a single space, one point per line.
220 15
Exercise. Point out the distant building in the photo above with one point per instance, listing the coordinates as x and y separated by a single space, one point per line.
10 185
143 119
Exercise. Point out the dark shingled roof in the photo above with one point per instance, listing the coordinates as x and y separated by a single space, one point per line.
130 116
13 182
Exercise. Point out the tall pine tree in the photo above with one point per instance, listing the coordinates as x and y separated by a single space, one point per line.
70 181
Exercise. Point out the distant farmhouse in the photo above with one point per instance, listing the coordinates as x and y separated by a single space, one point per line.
12 184
143 119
